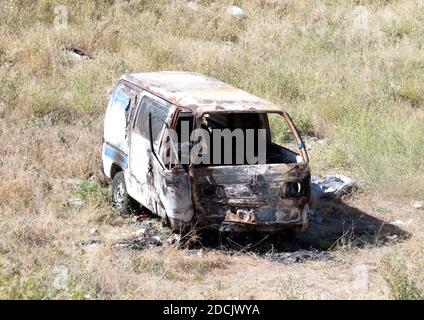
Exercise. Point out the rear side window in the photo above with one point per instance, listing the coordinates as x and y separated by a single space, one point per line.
159 113
116 117
122 98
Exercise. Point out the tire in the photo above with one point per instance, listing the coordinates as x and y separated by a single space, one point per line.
122 202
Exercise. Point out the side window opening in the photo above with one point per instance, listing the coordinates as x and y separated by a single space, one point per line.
122 98
159 114
115 129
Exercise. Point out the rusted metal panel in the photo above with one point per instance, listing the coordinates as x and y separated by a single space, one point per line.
252 196
173 194
265 197
199 93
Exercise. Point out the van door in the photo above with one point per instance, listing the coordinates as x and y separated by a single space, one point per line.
140 163
170 176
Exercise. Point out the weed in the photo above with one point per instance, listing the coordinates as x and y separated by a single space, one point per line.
18 287
401 285
92 191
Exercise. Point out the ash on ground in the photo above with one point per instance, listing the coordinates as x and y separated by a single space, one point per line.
149 235
152 235
298 256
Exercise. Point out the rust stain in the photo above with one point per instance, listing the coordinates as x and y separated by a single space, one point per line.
268 197
198 93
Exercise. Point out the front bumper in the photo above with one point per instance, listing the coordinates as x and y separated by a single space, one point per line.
266 219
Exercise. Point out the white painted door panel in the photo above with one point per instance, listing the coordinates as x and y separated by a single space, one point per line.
139 166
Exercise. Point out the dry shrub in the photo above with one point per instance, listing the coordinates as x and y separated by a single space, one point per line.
359 89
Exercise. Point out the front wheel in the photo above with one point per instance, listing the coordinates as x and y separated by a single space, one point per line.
121 200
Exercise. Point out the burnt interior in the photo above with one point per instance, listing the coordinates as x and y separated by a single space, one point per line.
223 188
275 153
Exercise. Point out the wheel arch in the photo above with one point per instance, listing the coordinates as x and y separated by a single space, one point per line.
114 169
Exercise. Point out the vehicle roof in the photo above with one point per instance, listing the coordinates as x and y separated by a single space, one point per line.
199 93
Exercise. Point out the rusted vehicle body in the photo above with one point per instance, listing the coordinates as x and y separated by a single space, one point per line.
268 196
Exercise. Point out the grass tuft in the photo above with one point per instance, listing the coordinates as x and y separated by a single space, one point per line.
401 285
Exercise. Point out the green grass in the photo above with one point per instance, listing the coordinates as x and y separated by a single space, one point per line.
360 90
16 287
399 281
91 191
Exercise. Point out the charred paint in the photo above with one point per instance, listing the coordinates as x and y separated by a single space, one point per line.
265 197
252 196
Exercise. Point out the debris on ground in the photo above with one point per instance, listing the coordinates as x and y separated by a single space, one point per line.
418 204
392 237
234 11
75 202
173 239
148 236
331 186
298 256
76 54
399 222
88 244
145 241
193 5
93 232
140 232
8 64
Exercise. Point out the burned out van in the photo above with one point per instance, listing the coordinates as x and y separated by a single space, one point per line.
197 151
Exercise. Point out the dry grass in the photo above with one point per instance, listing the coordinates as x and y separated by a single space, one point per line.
359 88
